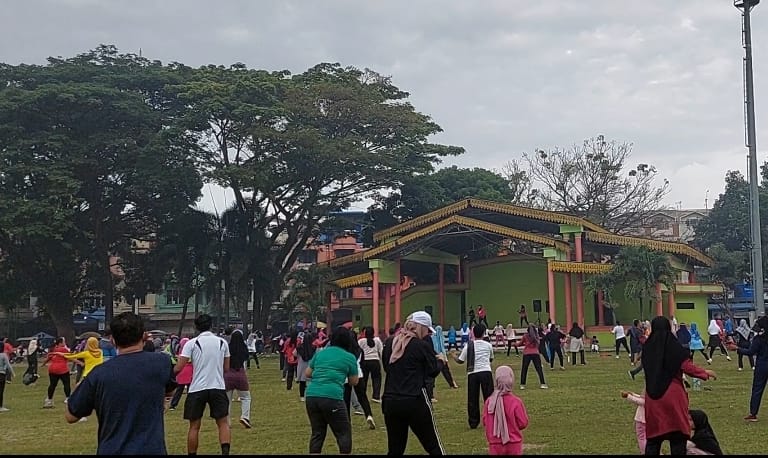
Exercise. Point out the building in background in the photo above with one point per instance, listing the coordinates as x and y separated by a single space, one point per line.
670 225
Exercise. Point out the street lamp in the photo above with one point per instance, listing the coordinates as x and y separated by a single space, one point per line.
754 197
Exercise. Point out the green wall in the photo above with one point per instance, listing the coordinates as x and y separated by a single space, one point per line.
699 315
417 299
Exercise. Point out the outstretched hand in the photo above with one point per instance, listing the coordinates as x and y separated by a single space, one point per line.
712 375
624 394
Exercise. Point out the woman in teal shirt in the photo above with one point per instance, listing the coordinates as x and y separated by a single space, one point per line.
328 370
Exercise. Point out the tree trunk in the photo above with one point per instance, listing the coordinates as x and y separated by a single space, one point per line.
183 315
109 301
61 315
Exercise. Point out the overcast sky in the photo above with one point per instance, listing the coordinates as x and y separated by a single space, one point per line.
501 77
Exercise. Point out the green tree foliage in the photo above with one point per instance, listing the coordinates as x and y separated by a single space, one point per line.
309 291
294 147
593 180
639 270
91 157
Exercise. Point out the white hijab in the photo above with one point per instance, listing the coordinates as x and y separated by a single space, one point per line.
713 328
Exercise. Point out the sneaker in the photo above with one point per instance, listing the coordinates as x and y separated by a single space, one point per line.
82 419
245 422
617 356
433 400
371 423
631 375
522 387
728 358
172 408
359 412
709 361
378 401
282 379
301 399
4 409
544 387
562 368
48 404
740 369
66 400
751 418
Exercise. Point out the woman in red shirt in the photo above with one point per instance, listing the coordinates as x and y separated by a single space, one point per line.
58 369
664 361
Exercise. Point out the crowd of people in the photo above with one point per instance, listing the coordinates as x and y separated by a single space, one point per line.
333 367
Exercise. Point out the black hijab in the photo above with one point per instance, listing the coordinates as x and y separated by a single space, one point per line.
238 350
576 331
662 358
703 434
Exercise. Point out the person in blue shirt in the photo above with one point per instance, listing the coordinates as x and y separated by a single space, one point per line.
127 393
452 339
107 348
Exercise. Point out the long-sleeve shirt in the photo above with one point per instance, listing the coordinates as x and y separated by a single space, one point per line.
639 401
517 419
5 366
406 377
759 349
530 347
90 360
371 353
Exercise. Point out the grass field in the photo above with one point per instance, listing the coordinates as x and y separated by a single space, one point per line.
581 413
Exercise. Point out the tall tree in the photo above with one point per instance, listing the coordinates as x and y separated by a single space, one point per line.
91 158
292 148
639 270
593 180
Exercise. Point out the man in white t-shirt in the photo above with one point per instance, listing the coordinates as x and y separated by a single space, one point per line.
621 338
210 356
478 354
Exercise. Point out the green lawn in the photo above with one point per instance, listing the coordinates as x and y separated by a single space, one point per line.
581 413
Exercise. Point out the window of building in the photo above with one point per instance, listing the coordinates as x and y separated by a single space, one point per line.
343 252
173 296
660 223
345 293
308 257
692 222
92 302
685 305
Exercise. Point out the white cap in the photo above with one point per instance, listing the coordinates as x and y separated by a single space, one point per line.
424 319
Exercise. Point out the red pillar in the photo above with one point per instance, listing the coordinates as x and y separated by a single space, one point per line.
551 290
691 277
387 310
441 291
579 283
577 239
671 298
568 303
659 301
375 301
600 310
398 290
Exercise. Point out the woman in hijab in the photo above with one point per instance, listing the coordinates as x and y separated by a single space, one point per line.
464 334
684 336
664 361
576 345
504 416
715 340
743 339
408 361
697 343
92 356
439 346
703 441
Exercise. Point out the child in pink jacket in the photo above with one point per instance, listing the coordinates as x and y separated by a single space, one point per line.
639 401
504 416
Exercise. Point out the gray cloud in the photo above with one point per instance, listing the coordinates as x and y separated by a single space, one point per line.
502 77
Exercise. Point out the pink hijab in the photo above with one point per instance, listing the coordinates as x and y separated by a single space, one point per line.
505 379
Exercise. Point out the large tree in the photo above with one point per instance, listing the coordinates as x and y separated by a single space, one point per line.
91 157
294 147
594 180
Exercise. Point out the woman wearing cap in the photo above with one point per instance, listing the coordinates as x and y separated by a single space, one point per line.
408 361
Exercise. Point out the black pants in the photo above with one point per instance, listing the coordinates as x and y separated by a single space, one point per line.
701 351
429 385
722 348
509 347
362 398
54 381
177 395
416 414
302 388
255 357
2 388
527 360
32 364
483 320
524 318
758 387
452 345
325 412
477 383
621 342
290 374
573 357
446 371
749 357
555 350
372 370
676 440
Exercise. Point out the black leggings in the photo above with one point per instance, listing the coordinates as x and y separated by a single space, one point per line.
362 398
555 350
619 342
509 347
54 381
527 360
677 441
416 414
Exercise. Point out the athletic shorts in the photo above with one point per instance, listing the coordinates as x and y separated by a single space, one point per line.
216 400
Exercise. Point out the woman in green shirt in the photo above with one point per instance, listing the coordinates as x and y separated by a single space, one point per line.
328 370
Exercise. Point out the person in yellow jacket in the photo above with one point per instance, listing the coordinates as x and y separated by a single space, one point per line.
92 355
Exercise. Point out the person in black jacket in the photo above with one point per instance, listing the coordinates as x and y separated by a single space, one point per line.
409 361
759 349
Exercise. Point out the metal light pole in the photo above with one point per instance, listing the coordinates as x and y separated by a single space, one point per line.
749 106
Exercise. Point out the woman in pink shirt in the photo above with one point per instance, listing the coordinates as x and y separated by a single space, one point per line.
183 378
504 416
